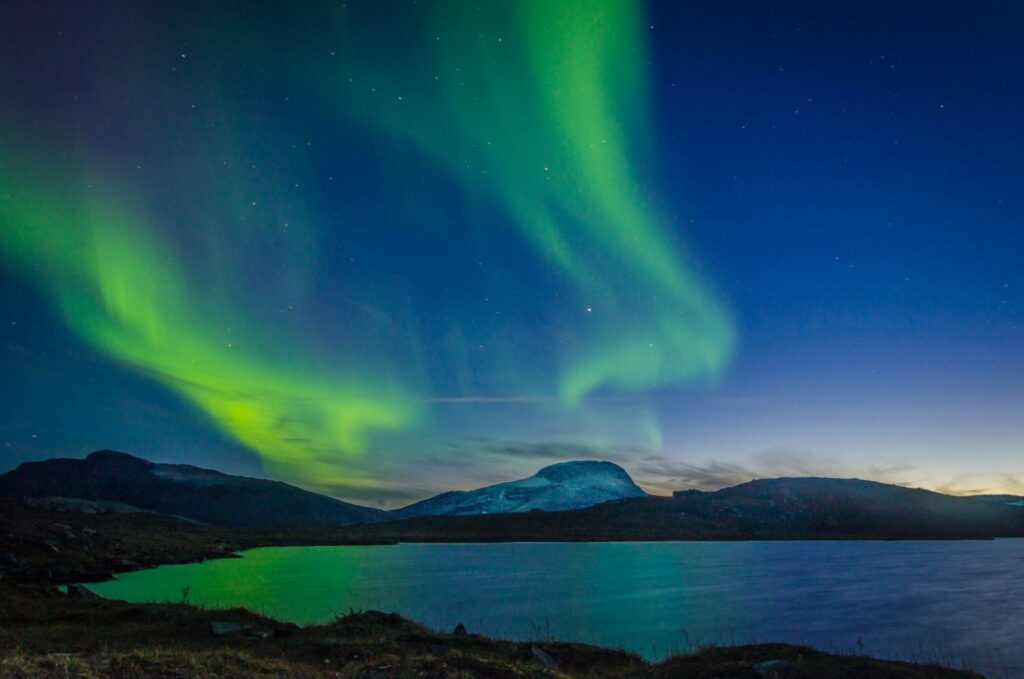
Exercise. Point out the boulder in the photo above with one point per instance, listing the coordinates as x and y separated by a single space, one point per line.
63 530
82 592
221 628
543 656
778 669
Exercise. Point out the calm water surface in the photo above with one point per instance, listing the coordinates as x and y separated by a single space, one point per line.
961 602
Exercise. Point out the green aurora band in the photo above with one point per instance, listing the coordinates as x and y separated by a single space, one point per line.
529 101
526 104
119 291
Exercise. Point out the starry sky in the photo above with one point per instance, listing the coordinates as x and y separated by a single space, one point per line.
385 249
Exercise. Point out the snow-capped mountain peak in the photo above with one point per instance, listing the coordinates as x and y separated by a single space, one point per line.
566 485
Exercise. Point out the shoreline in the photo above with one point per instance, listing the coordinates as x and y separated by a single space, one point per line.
47 634
40 550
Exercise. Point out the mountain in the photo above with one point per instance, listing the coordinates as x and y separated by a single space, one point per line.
567 485
192 492
595 501
766 509
1013 500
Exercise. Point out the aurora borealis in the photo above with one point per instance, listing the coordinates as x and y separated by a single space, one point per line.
535 109
117 290
381 250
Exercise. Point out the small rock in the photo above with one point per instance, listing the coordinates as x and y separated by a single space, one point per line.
221 628
82 592
777 669
543 656
460 630
63 530
51 545
136 614
337 641
60 571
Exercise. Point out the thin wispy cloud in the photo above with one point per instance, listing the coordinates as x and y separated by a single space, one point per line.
482 399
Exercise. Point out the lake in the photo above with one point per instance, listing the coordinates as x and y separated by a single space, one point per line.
958 602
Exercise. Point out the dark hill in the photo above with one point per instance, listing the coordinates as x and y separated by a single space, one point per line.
201 494
769 509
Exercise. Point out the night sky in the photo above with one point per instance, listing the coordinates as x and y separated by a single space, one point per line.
384 249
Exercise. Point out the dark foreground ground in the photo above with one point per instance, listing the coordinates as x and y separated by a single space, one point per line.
45 633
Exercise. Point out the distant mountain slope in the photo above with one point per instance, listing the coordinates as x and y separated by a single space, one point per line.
567 485
1015 500
768 509
183 490
809 505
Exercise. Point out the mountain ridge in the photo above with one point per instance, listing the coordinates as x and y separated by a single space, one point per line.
779 508
793 508
193 492
557 487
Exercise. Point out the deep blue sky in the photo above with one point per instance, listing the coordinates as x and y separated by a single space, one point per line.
844 176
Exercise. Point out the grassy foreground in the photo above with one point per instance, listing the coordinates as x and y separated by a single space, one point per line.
44 633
